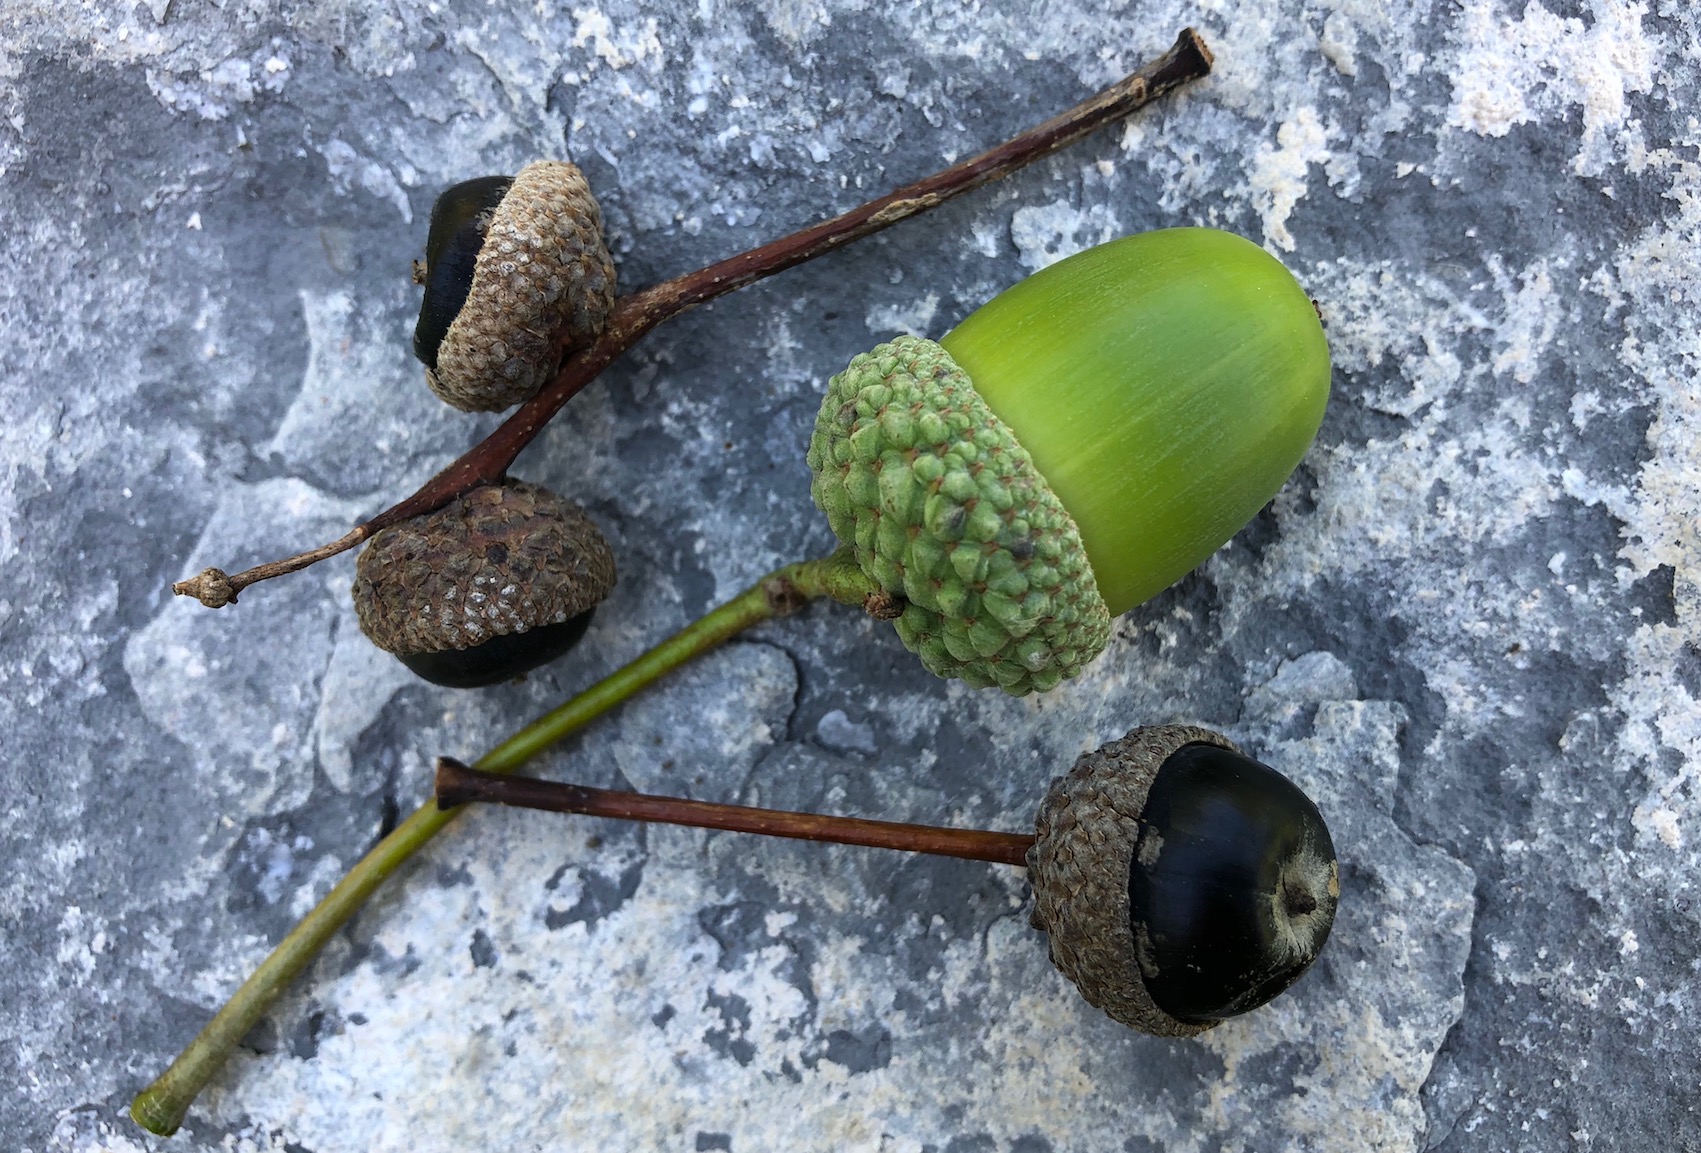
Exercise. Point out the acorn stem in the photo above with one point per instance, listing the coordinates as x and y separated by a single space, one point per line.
215 588
457 785
160 1107
635 315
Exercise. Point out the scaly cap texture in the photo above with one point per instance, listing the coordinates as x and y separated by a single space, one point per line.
502 559
542 287
1079 864
945 509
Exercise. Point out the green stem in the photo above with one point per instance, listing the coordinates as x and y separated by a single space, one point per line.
161 1106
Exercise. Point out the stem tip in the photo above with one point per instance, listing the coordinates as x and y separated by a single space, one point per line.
212 587
157 1111
451 783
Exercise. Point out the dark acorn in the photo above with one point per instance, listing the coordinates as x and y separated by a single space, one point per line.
485 589
1181 882
1233 884
516 277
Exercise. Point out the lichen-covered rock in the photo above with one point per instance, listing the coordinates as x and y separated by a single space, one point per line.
945 509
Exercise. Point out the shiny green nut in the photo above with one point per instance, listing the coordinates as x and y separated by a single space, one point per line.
1166 385
1072 448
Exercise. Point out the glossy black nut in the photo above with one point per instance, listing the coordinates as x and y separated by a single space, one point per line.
1233 885
501 658
516 278
1180 881
486 588
459 219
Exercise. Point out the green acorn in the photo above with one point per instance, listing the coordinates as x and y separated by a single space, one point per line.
516 276
1072 448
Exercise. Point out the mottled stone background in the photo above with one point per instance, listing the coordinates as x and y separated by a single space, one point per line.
1469 625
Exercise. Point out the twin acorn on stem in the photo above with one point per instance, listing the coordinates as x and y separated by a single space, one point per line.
1070 449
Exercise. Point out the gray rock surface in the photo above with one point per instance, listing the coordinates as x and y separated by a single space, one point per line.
1468 626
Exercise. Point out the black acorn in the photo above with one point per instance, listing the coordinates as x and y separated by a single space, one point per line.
516 277
485 589
1181 882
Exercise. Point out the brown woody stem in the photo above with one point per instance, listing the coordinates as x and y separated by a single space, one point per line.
457 784
635 315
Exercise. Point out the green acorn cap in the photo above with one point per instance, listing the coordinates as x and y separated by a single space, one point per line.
1072 448
946 510
542 285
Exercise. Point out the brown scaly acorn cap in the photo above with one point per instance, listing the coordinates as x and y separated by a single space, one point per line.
543 286
502 559
1079 864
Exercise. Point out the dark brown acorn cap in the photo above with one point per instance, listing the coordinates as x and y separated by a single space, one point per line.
502 559
1079 864
543 286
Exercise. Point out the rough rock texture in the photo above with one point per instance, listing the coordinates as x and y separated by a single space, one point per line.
1468 627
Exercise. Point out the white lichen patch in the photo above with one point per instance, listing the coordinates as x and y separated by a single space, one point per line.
1279 176
788 372
798 22
82 940
212 93
84 1131
914 318
1533 314
635 42
1659 276
348 170
1537 66
1043 235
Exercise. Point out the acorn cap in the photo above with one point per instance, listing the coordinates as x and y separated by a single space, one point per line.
1078 866
1180 881
542 286
945 509
500 560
